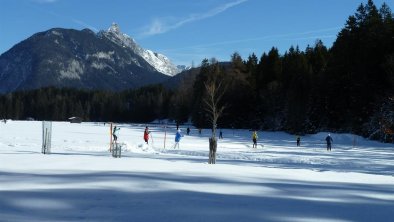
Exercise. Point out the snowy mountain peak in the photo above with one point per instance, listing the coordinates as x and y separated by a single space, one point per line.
160 62
115 35
114 28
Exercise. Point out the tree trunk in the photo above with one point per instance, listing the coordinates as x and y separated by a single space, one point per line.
212 150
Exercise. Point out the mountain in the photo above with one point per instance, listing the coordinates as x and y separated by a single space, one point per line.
108 60
160 62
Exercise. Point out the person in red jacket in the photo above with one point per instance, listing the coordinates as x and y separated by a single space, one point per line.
146 135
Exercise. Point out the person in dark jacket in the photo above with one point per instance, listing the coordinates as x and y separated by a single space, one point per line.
115 133
329 141
298 140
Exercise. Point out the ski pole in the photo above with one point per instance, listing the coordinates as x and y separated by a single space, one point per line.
151 138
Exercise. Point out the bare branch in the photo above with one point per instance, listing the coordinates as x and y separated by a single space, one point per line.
215 90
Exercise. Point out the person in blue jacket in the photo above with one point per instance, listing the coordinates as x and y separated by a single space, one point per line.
178 137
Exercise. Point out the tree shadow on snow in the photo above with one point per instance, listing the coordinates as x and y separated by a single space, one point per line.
74 198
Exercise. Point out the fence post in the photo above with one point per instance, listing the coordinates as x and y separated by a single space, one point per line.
110 137
46 137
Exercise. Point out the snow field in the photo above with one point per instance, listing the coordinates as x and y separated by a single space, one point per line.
278 181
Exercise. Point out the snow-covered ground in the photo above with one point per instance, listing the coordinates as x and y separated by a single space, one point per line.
81 181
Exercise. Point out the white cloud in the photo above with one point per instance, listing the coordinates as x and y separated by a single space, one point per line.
287 36
84 24
45 1
160 25
218 49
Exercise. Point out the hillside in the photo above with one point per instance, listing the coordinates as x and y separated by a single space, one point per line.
108 60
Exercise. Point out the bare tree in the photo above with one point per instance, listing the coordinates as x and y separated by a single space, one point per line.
214 92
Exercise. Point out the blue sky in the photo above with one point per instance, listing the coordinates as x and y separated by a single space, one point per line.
187 31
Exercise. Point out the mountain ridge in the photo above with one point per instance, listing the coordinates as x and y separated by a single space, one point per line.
79 59
159 61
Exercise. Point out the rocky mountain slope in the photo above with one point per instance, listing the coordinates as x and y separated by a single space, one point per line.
59 57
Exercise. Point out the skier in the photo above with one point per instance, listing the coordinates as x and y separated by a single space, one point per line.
146 135
298 140
254 138
329 141
220 134
115 133
178 136
188 131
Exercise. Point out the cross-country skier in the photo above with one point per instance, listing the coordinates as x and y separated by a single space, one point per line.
298 140
188 131
146 135
115 133
178 136
254 138
329 141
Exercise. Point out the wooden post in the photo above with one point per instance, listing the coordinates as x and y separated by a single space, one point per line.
110 136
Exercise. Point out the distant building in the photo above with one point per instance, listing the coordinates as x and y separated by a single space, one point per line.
75 119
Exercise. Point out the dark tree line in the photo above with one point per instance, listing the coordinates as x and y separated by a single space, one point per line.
348 87
141 105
